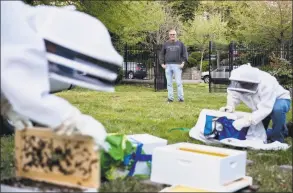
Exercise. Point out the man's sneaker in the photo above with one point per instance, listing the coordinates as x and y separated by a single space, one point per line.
181 100
169 101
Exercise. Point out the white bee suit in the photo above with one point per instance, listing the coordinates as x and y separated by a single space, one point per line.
24 70
262 101
260 92
25 65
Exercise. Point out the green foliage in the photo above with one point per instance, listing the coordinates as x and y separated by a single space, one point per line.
191 62
170 21
35 2
264 22
184 9
205 65
194 59
243 58
281 69
202 30
196 55
261 22
258 22
120 76
130 20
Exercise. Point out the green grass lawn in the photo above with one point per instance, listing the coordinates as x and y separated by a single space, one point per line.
138 109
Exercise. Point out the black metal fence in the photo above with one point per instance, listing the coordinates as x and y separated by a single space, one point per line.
139 62
142 62
224 58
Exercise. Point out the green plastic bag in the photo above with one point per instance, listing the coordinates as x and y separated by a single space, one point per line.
112 162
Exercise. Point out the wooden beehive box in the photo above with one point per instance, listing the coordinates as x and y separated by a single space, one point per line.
71 161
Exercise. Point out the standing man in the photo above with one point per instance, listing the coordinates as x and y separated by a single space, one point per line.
172 58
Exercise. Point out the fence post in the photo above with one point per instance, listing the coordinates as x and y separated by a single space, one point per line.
231 55
291 58
125 59
155 66
210 64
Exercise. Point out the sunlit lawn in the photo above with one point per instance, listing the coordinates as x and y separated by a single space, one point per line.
138 109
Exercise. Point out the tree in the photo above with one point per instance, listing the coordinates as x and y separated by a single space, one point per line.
170 21
230 12
265 22
130 20
202 30
184 9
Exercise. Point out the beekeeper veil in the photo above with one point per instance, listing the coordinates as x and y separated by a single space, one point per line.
79 48
244 79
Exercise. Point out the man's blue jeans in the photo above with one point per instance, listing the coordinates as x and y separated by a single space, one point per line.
278 116
177 71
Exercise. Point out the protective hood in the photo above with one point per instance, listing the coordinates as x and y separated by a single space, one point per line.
79 47
245 73
244 79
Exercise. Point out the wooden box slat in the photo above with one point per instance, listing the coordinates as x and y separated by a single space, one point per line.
65 160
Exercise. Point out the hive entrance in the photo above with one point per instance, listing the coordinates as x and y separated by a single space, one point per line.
204 152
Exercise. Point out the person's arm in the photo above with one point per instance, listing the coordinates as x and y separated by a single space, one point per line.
264 108
162 55
184 54
25 83
233 99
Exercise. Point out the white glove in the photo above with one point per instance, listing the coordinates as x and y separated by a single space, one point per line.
228 109
242 122
18 121
84 125
87 125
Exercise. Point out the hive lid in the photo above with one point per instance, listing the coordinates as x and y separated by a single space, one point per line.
146 138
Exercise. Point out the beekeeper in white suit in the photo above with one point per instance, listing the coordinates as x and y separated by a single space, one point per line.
262 93
66 45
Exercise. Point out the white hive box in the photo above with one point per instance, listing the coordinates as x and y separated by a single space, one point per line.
149 142
197 166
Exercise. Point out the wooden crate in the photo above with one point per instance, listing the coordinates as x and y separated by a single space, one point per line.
44 156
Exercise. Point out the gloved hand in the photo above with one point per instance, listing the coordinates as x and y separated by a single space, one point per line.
18 121
85 125
228 109
242 122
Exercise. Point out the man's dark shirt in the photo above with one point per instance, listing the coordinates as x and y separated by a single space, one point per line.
173 53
